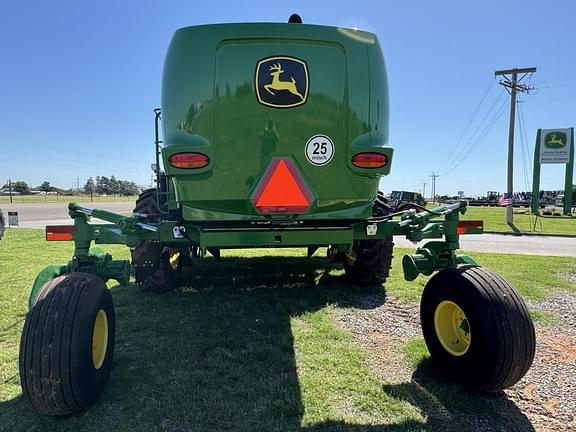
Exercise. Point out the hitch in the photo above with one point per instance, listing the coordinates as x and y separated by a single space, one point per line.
441 222
434 255
87 259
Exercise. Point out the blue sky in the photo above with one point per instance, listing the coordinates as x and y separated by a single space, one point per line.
80 80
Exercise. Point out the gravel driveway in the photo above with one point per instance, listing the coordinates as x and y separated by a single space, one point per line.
544 400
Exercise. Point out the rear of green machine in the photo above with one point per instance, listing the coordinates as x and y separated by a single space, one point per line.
274 135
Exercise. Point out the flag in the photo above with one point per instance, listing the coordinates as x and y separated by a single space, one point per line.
506 200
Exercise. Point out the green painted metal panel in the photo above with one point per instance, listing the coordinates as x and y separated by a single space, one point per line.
212 102
280 238
46 275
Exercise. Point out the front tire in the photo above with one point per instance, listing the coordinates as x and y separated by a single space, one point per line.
477 328
67 345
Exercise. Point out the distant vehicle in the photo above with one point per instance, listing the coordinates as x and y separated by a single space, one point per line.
403 197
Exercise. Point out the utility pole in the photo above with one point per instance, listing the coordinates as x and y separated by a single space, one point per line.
424 190
10 189
434 177
513 86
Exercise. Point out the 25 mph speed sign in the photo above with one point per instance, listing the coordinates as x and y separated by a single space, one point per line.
319 150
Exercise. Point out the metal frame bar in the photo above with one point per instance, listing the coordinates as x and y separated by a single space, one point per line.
415 226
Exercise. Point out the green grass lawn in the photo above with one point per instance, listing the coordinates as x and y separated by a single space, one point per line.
495 220
249 345
17 199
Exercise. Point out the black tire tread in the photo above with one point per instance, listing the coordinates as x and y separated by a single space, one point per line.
513 315
508 318
146 204
151 268
46 372
373 261
160 277
373 257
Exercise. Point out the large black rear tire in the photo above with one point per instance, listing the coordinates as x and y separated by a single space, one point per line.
477 328
369 262
67 345
147 204
155 266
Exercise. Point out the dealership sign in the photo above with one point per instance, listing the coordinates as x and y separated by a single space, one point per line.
555 146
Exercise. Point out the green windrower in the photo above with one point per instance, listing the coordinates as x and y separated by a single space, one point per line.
269 136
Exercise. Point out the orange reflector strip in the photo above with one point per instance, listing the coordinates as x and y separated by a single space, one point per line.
282 190
189 160
369 160
60 232
470 227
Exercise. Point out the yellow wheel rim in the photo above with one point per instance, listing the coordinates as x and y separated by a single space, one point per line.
351 256
99 339
174 258
452 328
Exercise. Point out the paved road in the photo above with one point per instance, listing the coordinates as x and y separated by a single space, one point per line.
40 215
525 245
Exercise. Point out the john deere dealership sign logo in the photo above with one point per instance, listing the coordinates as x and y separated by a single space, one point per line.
555 146
281 82
555 140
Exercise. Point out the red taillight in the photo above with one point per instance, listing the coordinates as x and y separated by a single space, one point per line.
60 232
189 160
369 160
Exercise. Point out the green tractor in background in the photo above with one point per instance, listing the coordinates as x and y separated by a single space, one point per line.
399 199
274 135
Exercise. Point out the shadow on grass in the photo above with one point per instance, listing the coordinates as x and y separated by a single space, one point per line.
450 407
218 355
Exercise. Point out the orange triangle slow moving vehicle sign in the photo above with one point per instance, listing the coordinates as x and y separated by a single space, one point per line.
282 189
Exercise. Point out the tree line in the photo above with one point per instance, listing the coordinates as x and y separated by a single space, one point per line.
102 185
110 186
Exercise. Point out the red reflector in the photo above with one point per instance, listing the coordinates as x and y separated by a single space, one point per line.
369 160
282 190
60 232
470 227
189 160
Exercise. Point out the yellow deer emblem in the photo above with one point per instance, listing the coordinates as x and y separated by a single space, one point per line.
554 140
276 84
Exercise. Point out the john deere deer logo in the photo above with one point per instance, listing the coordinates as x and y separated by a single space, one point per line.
275 71
281 82
555 140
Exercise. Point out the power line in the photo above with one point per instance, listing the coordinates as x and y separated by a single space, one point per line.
513 85
554 80
59 164
468 124
458 157
526 159
487 128
497 116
